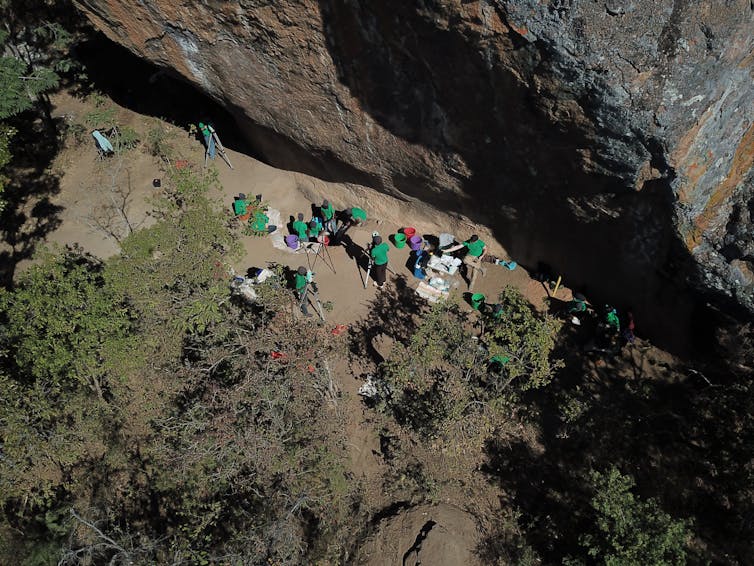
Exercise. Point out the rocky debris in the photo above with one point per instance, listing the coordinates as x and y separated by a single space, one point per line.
613 140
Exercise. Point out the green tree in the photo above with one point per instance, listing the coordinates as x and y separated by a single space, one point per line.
22 85
522 340
6 135
628 531
442 376
64 333
175 272
35 51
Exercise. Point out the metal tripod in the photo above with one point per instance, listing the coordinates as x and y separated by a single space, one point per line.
369 265
220 148
317 248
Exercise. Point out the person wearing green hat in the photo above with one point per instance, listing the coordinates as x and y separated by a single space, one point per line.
378 253
475 252
353 216
300 228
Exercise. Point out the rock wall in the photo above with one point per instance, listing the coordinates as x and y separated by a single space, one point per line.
612 139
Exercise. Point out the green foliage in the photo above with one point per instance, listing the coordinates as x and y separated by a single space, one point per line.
65 332
428 381
137 383
253 438
158 142
174 272
629 531
103 116
6 135
443 376
77 132
526 338
22 85
34 53
126 138
59 320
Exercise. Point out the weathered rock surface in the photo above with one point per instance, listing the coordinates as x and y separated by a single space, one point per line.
612 139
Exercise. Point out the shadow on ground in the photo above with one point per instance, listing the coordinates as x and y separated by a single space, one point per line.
686 438
29 215
393 314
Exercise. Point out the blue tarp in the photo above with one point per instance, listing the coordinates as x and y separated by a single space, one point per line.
102 142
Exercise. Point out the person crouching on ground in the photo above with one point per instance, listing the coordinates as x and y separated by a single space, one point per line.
475 252
351 217
378 253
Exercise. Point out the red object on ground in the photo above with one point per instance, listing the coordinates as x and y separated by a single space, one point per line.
181 163
310 368
339 329
326 240
409 232
278 355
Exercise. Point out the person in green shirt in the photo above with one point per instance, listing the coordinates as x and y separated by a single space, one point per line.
314 230
378 253
241 207
577 304
352 217
209 143
327 212
260 221
301 281
611 319
475 252
300 228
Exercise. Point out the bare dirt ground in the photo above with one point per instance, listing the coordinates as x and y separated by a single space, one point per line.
100 201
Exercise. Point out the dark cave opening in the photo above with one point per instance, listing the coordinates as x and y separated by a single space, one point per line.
613 261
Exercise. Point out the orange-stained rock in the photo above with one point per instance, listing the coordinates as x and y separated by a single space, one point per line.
611 140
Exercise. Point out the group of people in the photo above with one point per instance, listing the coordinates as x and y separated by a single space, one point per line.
327 226
326 223
612 330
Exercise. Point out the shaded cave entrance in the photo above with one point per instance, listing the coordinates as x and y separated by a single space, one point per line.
668 314
145 88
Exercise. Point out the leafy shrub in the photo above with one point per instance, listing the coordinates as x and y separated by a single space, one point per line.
103 116
525 339
443 374
628 531
78 133
158 142
126 138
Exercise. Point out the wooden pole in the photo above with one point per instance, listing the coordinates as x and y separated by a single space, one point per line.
557 285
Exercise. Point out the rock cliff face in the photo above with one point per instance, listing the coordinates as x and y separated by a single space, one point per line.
612 139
